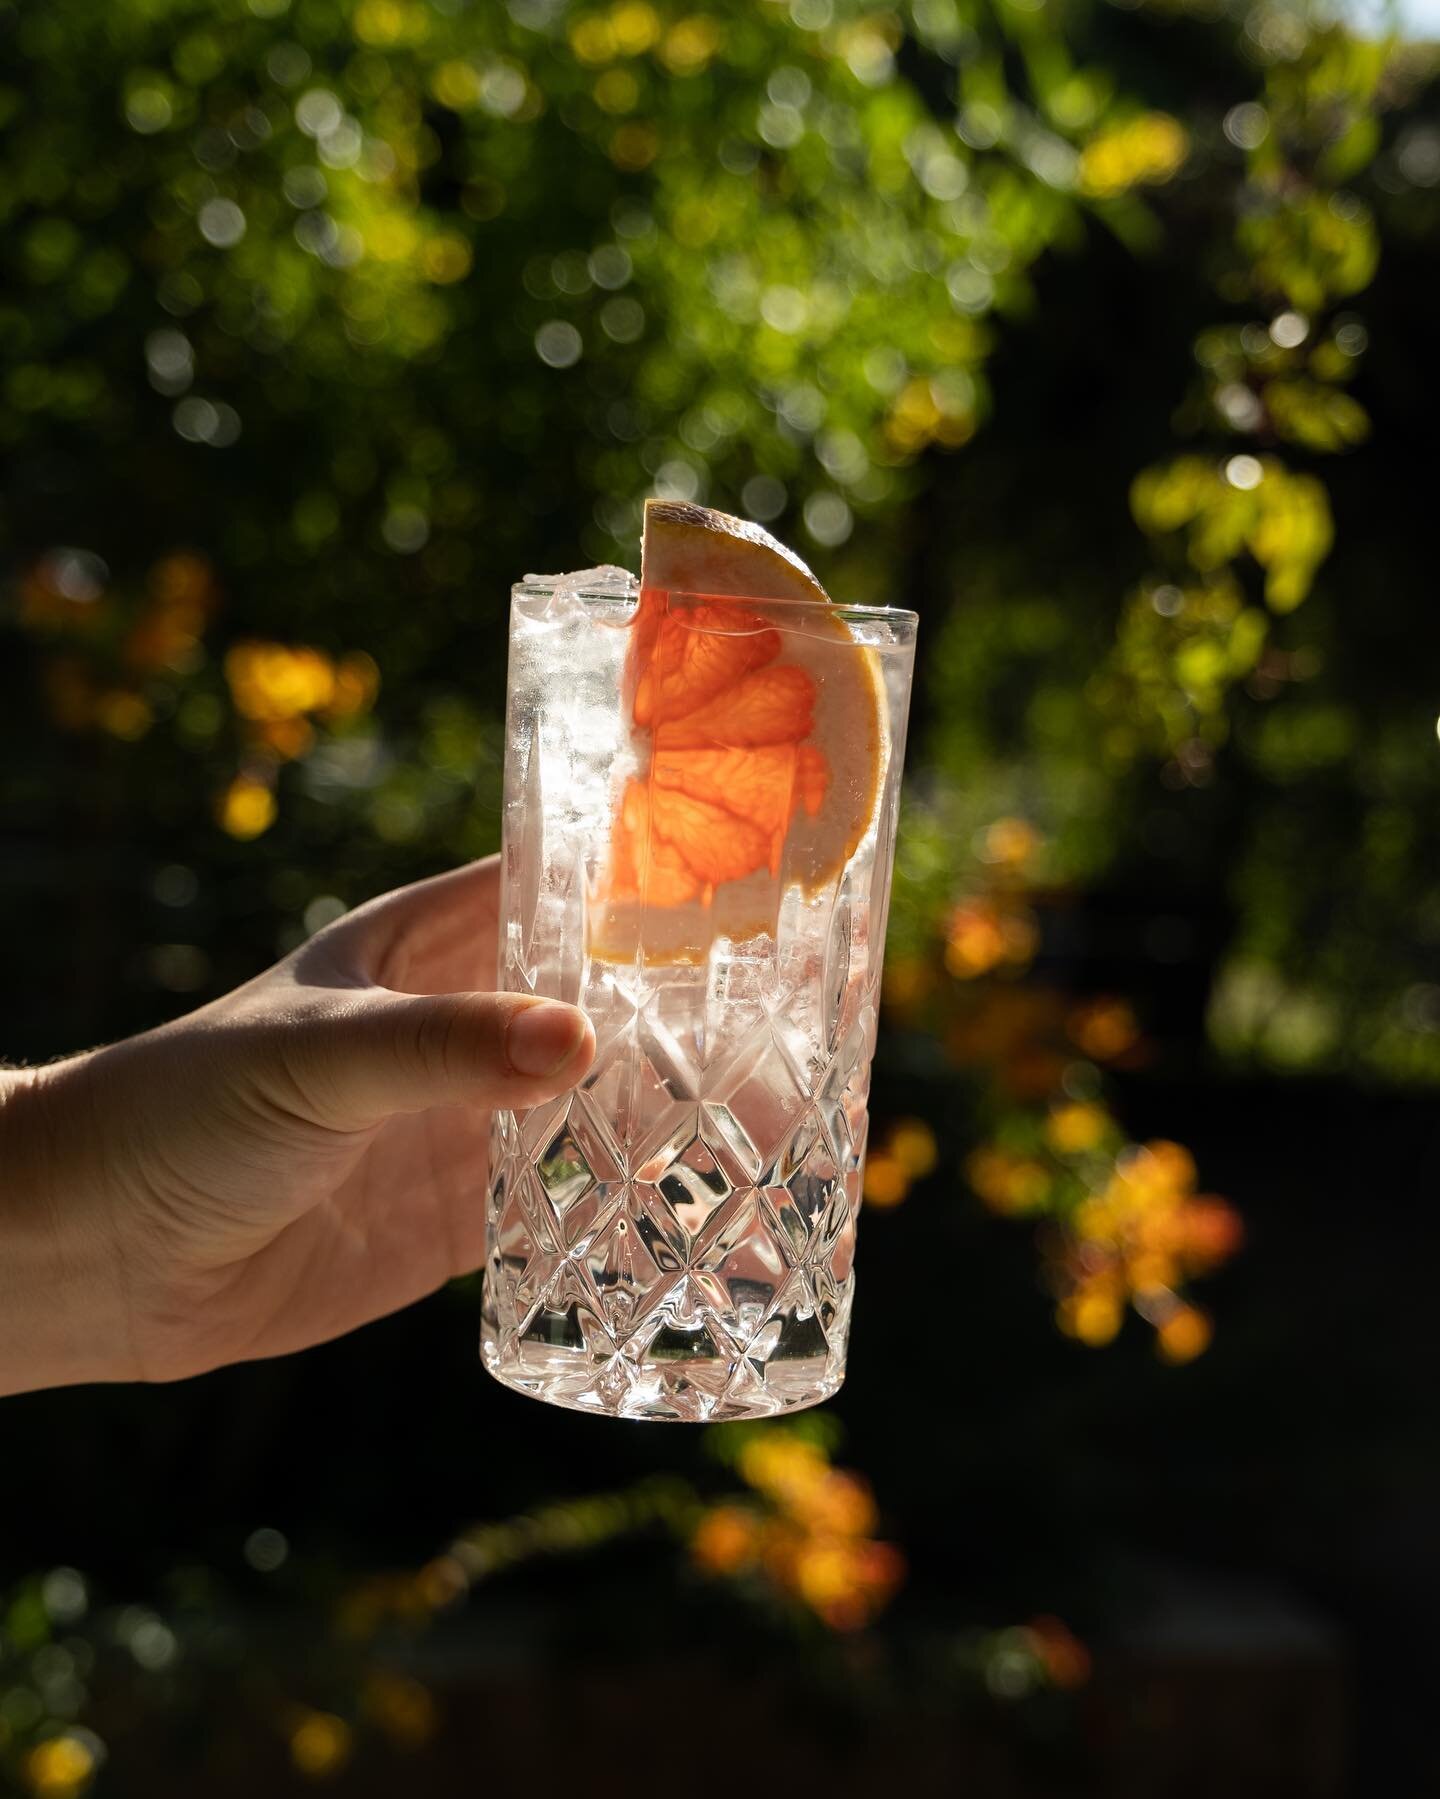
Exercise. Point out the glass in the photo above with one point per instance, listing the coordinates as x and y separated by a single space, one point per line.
675 1239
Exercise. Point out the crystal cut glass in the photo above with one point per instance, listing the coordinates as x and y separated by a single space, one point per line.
675 1239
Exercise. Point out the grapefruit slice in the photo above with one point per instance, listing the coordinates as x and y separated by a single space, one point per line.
759 737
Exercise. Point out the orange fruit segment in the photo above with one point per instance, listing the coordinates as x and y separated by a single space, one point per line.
758 732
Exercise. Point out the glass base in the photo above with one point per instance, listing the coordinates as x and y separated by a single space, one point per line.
668 1282
695 1391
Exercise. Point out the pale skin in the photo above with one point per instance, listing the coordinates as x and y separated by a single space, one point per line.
291 1161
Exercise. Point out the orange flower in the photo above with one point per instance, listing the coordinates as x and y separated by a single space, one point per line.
273 681
1211 1231
726 1540
847 1583
1104 1028
886 1181
908 979
403 1709
1185 1334
1008 1183
1010 842
974 940
167 633
840 1505
356 682
1064 1657
286 738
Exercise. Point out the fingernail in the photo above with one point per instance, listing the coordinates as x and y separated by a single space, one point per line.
543 1038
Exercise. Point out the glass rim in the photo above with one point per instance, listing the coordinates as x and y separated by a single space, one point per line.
842 608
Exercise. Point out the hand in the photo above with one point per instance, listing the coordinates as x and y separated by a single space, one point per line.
299 1157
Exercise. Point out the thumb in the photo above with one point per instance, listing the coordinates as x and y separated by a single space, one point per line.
401 1052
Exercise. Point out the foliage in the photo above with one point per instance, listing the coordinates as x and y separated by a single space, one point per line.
805 1552
1085 328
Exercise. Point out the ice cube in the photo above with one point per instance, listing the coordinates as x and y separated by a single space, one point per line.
605 579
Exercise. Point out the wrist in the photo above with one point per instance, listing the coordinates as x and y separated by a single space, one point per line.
62 1318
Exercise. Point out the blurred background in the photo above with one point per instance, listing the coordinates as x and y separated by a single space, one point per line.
1103 335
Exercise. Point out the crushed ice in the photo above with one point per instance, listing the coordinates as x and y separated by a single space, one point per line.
567 590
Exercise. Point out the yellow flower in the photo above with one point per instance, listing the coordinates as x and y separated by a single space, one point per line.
1072 1129
320 1744
392 238
1011 842
690 45
124 714
385 22
1093 1315
247 808
928 411
272 680
593 39
1148 149
912 1143
1008 1183
1172 1164
59 1767
1185 1334
456 84
635 26
782 1467
846 1582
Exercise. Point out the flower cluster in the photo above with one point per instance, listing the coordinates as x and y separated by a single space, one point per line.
1124 1224
1044 1654
811 1538
907 1153
1137 1238
116 662
109 657
280 692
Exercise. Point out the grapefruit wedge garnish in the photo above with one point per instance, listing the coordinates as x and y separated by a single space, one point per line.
758 735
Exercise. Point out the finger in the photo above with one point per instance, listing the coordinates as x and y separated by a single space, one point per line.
460 890
413 937
356 1064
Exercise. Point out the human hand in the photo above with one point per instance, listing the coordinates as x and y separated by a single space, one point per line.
294 1159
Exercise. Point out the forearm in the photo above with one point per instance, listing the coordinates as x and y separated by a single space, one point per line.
62 1320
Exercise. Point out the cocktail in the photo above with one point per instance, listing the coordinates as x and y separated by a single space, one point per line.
701 784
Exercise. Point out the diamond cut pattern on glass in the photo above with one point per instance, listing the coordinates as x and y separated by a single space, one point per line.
622 1271
694 1185
762 1091
675 1240
567 1319
562 1169
742 1269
